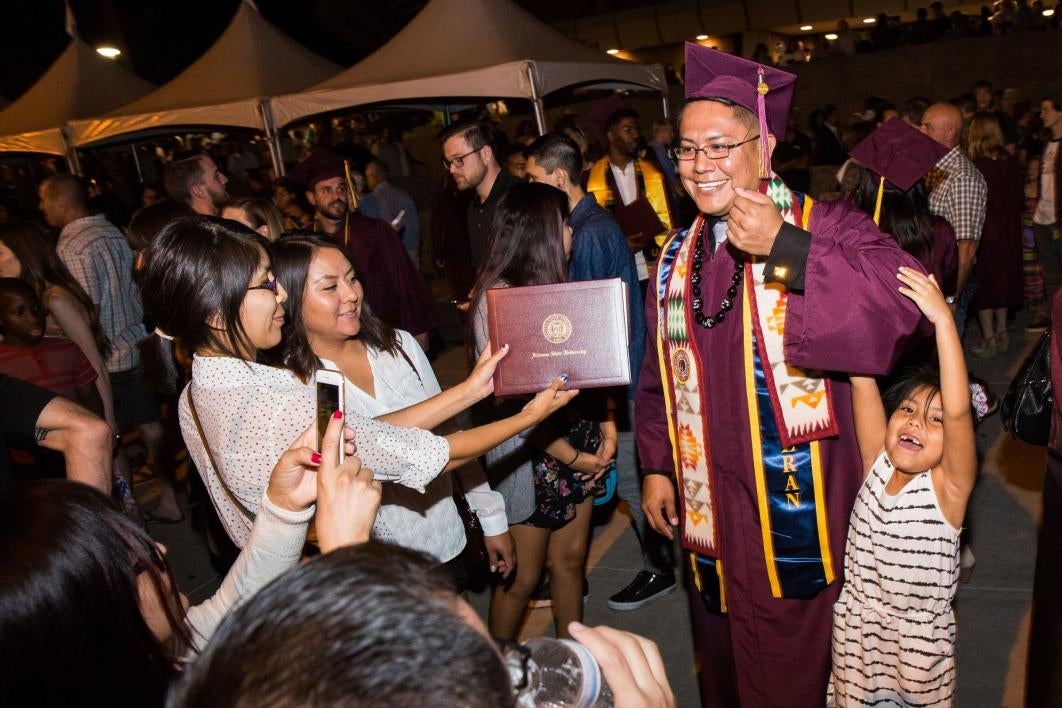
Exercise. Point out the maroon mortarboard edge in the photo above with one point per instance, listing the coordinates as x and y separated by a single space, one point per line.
322 164
764 90
601 113
899 153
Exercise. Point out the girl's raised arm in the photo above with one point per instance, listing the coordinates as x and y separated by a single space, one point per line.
959 463
870 422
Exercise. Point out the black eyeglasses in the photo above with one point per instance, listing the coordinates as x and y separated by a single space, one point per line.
712 152
271 284
459 161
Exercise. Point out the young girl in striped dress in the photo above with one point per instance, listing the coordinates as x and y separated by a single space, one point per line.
894 629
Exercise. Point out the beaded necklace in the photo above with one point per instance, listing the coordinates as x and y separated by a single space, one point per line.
695 287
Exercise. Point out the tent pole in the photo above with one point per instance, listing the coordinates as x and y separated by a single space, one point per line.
72 160
136 161
448 116
667 108
272 137
536 100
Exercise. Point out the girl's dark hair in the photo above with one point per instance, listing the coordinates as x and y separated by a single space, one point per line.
73 632
904 215
910 380
197 267
149 221
526 245
42 268
291 257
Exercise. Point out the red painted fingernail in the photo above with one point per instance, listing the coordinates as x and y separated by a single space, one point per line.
315 458
337 415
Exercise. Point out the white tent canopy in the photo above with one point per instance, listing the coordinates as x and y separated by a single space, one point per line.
79 84
225 86
468 48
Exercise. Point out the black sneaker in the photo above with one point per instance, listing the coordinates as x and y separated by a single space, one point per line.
540 597
645 588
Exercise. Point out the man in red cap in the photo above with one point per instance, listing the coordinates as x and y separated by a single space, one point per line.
393 287
756 315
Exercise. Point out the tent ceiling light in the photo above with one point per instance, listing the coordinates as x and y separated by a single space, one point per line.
805 28
869 20
831 36
1049 12
108 51
702 37
612 51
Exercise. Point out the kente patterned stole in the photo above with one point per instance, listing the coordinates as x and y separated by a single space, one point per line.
789 411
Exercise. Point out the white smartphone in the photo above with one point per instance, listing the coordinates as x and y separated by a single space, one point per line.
330 398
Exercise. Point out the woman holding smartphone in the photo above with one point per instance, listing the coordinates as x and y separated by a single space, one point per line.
548 475
387 377
91 610
208 284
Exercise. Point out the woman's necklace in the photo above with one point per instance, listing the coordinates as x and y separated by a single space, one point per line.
695 287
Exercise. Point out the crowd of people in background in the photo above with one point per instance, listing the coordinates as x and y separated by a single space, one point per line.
187 299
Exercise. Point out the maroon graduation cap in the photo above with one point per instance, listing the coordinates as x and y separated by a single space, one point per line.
764 90
601 113
319 165
899 153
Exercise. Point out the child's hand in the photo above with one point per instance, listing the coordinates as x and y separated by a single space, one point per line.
923 291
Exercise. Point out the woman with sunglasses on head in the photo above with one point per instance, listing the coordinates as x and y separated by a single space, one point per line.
548 475
389 378
90 613
208 283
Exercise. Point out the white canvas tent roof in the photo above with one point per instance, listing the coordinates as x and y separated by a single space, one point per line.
79 84
465 48
225 86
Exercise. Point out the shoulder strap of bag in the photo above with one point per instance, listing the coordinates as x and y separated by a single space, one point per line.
409 361
247 513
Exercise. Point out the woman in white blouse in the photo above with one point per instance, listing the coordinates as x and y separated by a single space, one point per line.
330 325
208 284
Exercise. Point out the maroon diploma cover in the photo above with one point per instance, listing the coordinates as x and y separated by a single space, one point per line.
579 329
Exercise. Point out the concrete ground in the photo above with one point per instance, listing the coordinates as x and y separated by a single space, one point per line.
993 607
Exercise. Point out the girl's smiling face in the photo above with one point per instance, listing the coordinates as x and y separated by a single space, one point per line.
261 313
914 438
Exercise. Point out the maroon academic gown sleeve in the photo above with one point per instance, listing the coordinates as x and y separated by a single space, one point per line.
850 316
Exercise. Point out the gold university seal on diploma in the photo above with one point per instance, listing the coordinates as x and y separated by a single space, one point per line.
557 328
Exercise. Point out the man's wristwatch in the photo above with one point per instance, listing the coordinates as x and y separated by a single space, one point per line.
950 299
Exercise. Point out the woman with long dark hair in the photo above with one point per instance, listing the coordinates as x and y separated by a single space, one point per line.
905 216
90 613
547 475
388 377
27 253
208 284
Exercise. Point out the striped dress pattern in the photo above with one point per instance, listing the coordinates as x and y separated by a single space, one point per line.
893 625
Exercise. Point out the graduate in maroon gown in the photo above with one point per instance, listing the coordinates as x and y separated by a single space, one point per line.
393 286
756 315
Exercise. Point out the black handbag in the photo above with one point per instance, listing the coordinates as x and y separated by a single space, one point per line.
476 556
1028 405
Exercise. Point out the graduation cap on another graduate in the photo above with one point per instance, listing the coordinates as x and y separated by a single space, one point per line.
899 153
764 90
322 164
601 113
